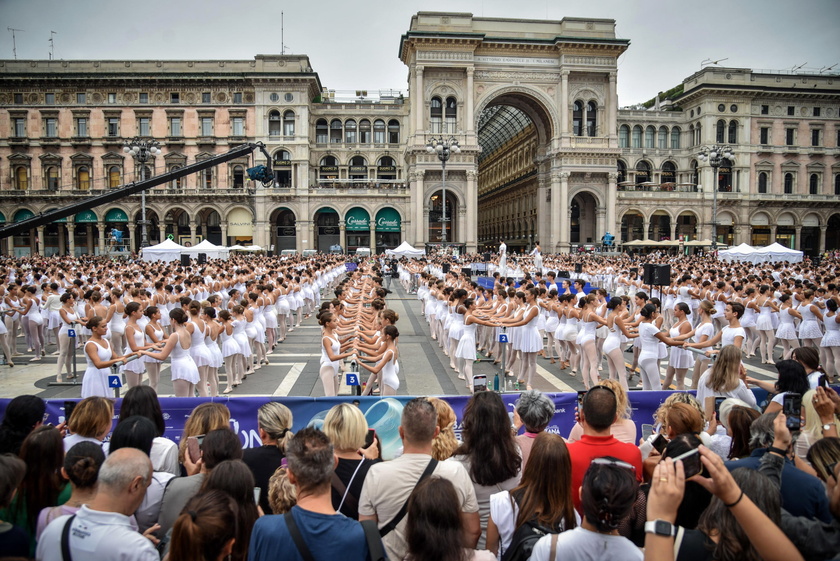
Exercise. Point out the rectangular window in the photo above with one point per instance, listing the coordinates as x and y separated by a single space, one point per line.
816 111
81 98
765 109
175 126
815 137
18 99
237 97
765 135
143 126
144 97
19 127
113 126
207 126
50 127
238 126
112 98
49 99
81 127
174 97
790 109
205 97
790 136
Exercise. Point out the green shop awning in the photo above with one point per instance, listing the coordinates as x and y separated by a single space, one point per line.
2 218
116 215
388 220
86 217
62 220
23 214
357 219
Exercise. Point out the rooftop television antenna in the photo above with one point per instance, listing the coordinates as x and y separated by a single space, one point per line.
14 40
52 44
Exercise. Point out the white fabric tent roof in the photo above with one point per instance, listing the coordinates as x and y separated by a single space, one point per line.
212 250
777 252
405 249
167 250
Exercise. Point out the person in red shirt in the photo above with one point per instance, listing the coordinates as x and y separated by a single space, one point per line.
597 414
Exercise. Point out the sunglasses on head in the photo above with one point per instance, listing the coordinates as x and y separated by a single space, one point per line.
613 462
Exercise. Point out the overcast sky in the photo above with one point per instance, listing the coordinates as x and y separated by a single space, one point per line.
354 45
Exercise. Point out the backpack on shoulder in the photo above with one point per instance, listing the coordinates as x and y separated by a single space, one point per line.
525 537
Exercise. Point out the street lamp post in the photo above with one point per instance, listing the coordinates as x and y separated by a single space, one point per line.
443 149
715 156
141 149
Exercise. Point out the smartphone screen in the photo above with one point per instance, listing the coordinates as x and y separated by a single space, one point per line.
194 447
659 443
792 408
581 395
647 430
691 462
479 383
718 401
68 409
371 433
257 495
823 381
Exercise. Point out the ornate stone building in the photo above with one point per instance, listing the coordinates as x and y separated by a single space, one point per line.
546 154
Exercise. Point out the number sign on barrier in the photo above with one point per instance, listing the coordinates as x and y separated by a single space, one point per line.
352 378
114 382
71 333
503 338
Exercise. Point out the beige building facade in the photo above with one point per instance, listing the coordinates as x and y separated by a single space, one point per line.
546 154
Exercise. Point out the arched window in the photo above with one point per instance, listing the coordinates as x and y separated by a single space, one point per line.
329 161
725 176
336 131
591 116
577 118
813 184
642 173
762 182
733 132
176 183
358 168
622 172
114 177
691 137
282 167
699 132
436 116
837 184
52 178
675 138
695 173
207 178
669 173
321 131
637 137
83 178
650 133
21 178
624 136
289 123
238 177
386 168
451 115
350 131
393 131
379 131
663 138
720 132
788 183
275 125
364 131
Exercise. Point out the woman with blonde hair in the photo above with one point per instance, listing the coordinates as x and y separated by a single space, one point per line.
813 429
704 331
346 427
445 443
624 429
275 429
203 419
91 421
726 378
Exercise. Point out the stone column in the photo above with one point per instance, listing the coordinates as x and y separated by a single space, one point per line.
40 244
823 230
798 241
342 235
259 234
425 227
418 202
471 225
612 194
470 124
773 233
71 232
101 228
612 107
131 227
193 228
62 239
162 231
555 211
673 231
565 219
600 214
645 228
563 103
460 234
223 226
372 236
420 105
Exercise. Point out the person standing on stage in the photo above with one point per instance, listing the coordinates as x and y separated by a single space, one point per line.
502 258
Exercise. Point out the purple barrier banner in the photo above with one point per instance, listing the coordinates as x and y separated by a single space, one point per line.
383 414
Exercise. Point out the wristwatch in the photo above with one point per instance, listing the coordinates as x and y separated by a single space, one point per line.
827 426
660 528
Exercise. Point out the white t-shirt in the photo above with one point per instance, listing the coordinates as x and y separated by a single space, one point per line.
584 545
503 511
741 391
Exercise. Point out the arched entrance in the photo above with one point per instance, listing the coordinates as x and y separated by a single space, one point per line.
357 228
153 228
285 223
832 235
810 243
178 226
327 231
660 226
437 219
86 232
210 226
632 226
760 224
584 219
687 226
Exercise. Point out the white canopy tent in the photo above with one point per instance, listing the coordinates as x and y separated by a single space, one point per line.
776 252
212 250
405 249
743 252
167 250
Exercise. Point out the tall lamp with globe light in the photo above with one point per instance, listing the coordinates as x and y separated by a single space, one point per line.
443 149
140 150
715 155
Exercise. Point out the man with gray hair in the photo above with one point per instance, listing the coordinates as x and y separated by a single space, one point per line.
312 524
802 493
387 486
534 410
102 530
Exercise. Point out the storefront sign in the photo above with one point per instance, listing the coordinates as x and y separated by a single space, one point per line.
329 169
517 61
86 217
386 169
357 219
240 223
358 169
388 220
